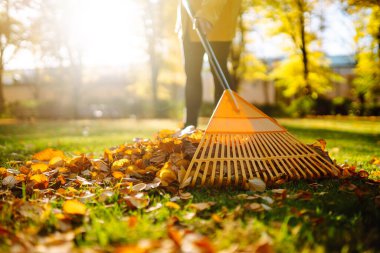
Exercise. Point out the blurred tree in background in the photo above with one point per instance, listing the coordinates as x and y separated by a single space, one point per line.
366 14
306 71
13 35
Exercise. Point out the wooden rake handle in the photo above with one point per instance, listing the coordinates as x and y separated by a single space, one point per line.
210 53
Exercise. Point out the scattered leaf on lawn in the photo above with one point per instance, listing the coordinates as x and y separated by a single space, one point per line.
185 195
266 207
256 207
153 208
172 205
139 187
279 193
105 195
204 245
201 206
132 221
9 181
138 202
256 184
267 199
303 195
216 218
118 174
74 207
189 216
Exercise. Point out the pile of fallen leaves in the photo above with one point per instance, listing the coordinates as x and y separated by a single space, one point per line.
142 165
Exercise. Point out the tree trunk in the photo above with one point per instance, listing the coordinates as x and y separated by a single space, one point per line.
2 99
303 47
266 92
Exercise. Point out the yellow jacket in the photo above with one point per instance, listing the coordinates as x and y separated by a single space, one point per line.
222 14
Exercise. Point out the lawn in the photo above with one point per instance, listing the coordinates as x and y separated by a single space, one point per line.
329 215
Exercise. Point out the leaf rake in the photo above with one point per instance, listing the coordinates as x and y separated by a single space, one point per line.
241 142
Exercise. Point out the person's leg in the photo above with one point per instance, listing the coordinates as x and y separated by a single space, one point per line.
222 50
193 54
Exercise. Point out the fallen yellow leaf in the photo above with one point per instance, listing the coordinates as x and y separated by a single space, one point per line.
74 207
172 205
39 166
39 178
56 162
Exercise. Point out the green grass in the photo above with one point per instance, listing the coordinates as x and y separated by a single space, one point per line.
334 219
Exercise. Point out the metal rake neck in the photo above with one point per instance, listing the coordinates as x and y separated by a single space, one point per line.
210 53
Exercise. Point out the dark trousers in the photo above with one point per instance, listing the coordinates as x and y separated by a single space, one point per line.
193 53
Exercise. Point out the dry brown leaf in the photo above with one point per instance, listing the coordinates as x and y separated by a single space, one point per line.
202 206
256 207
9 181
256 184
139 187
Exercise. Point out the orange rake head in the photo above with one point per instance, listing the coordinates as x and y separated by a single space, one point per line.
241 145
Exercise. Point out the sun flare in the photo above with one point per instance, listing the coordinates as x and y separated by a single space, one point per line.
110 32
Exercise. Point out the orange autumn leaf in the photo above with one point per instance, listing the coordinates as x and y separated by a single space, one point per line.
216 218
132 221
61 179
3 171
117 174
48 154
39 167
20 177
74 207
